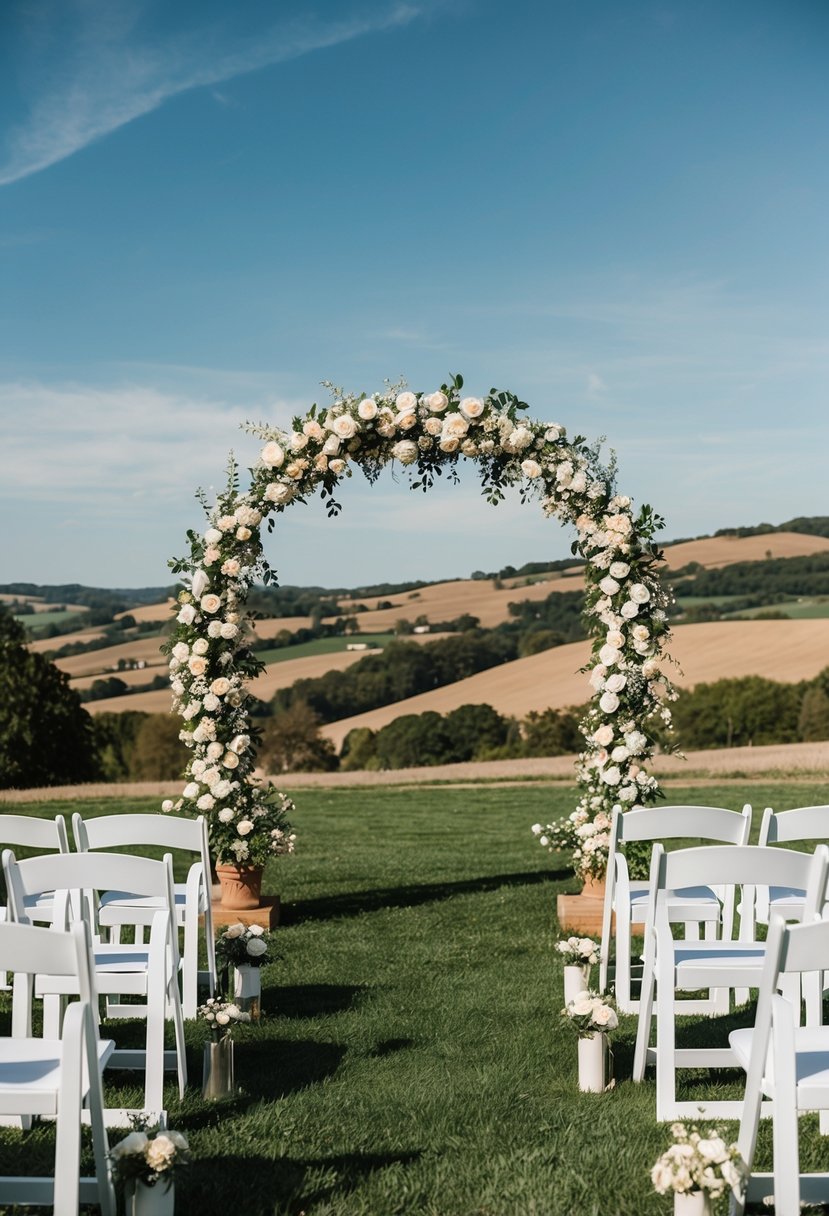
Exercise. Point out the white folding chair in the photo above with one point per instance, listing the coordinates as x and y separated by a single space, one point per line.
788 1064
788 827
192 898
43 836
674 966
149 971
57 1078
692 906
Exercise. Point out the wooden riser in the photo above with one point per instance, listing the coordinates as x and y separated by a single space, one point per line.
581 914
266 915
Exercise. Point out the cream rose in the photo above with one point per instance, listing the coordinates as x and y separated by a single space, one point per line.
448 443
210 603
433 426
437 402
639 593
197 665
279 492
367 409
273 455
344 426
220 687
313 429
530 468
405 451
406 403
331 446
471 407
608 702
455 426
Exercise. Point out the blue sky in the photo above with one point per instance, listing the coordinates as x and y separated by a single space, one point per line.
616 209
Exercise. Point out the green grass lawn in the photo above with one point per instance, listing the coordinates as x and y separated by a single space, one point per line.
323 646
39 620
798 610
412 1058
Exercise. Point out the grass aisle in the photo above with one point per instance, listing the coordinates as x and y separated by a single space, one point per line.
412 1059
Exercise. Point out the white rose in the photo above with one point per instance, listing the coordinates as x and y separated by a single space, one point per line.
220 687
199 584
213 536
519 438
609 586
615 637
331 446
437 402
206 802
256 947
228 630
639 593
636 742
191 790
641 633
608 702
243 533
471 407
312 429
616 682
606 1017
244 827
619 754
619 569
597 676
530 468
433 426
579 482
186 615
630 610
210 603
344 427
279 492
603 736
367 409
299 441
406 403
448 443
455 426
181 651
553 432
336 466
225 816
230 760
405 451
609 655
611 775
406 422
200 646
197 665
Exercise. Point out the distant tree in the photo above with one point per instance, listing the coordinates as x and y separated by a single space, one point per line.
115 742
553 732
46 736
536 640
413 740
813 722
359 750
737 712
158 754
292 743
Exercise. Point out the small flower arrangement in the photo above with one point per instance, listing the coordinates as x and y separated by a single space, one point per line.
244 945
699 1160
150 1157
589 1014
579 951
220 1016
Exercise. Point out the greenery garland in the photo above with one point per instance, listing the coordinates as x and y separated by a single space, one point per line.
211 662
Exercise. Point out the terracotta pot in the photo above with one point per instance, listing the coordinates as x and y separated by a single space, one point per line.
594 886
241 886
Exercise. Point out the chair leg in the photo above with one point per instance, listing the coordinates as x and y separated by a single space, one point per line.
68 1137
643 1028
784 1131
623 962
178 1024
665 1049
100 1143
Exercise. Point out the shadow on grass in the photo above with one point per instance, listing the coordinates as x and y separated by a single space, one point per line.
274 1068
287 1186
309 1000
355 903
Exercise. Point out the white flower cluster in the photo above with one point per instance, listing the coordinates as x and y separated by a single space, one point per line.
589 1013
579 951
625 605
220 1015
699 1160
149 1157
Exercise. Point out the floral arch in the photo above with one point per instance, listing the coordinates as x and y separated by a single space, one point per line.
210 661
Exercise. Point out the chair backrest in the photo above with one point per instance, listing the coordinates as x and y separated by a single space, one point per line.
691 822
802 823
28 831
163 830
89 872
30 950
747 865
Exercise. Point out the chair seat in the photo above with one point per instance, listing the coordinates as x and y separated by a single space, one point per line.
811 1061
686 903
140 908
33 1066
711 964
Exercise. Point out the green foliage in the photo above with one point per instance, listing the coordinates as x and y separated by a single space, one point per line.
359 750
772 579
813 720
414 740
114 736
736 712
46 736
553 732
158 754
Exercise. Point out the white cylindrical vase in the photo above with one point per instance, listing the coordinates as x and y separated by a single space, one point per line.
143 1200
247 989
693 1203
575 980
592 1063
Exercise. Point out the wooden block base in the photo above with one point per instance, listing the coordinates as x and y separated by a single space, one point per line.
581 914
266 915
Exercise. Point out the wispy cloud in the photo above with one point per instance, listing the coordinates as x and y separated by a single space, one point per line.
106 78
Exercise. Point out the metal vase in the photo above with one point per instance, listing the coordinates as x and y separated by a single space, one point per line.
218 1080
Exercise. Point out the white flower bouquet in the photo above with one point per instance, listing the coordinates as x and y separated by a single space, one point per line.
149 1157
699 1160
219 1016
242 945
590 1014
579 951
